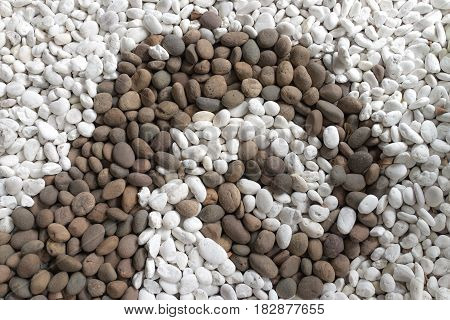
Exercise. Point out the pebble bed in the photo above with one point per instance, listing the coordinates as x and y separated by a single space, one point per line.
208 149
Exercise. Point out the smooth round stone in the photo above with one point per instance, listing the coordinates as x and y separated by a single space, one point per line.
359 137
359 162
333 246
331 137
264 200
365 289
263 265
232 98
349 104
313 124
318 213
173 44
234 39
286 288
246 186
123 155
354 182
434 196
283 236
346 220
330 111
211 251
428 131
309 288
210 20
268 37
208 104
368 204
396 171
387 283
330 92
251 52
271 93
234 229
337 175
298 244
264 242
395 198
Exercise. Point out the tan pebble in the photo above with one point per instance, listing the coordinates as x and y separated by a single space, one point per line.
251 88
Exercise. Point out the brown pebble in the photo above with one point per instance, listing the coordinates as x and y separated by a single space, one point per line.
92 237
58 233
116 289
290 267
39 282
114 189
309 288
229 197
324 271
264 242
349 105
298 244
263 265
235 230
215 87
234 39
83 203
127 246
67 263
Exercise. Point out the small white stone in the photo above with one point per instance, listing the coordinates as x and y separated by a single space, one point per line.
318 213
168 250
247 186
264 200
47 131
396 171
264 21
151 24
368 204
243 291
86 129
157 201
311 228
434 196
283 236
331 137
6 225
13 185
395 198
153 245
211 251
59 107
31 99
227 268
158 52
171 219
197 187
365 289
188 284
279 147
445 63
272 108
346 220
428 131
169 273
387 283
